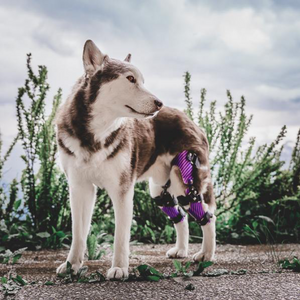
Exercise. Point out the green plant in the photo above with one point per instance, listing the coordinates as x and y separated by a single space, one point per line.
81 276
183 270
12 284
44 186
44 207
294 264
11 257
248 183
187 94
149 273
7 206
94 253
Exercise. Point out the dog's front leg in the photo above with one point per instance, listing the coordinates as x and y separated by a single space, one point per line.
123 206
82 199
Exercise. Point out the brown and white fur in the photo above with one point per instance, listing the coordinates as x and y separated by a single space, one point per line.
112 132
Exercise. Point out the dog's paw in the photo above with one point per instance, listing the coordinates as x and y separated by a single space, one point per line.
117 273
203 256
177 253
62 269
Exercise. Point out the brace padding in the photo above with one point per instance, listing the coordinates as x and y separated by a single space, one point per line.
165 199
167 204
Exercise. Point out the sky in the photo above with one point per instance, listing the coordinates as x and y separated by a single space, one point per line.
249 47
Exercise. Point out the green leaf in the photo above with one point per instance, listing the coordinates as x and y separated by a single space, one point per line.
82 271
202 266
49 283
177 265
187 265
69 268
153 278
60 234
17 204
20 280
101 277
142 269
43 235
267 219
3 280
155 272
16 258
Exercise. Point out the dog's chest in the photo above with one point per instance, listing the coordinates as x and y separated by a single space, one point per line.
102 170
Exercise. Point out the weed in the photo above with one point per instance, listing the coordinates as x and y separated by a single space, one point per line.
11 257
149 273
94 253
10 285
183 270
294 264
70 277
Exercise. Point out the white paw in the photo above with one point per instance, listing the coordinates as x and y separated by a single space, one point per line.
62 269
117 273
177 253
203 256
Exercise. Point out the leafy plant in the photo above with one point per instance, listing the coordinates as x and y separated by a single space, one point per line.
149 273
94 253
182 270
44 186
12 284
294 264
81 276
11 257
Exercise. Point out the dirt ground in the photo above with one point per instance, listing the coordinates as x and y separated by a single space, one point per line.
263 279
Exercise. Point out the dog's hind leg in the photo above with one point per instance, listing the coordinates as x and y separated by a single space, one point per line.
208 248
82 199
123 207
182 229
178 189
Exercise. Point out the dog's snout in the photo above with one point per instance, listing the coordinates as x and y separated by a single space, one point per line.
158 104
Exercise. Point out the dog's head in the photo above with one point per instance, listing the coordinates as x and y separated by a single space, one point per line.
117 85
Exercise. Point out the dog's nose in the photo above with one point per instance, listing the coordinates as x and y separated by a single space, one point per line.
158 104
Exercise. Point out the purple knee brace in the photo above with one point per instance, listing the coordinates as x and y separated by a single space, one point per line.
187 161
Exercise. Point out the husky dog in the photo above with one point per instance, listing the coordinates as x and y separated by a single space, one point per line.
111 133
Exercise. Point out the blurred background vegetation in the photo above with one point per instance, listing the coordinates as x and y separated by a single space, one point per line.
258 194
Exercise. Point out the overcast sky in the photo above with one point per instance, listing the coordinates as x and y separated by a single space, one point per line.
249 47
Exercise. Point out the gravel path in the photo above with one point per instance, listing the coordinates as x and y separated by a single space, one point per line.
263 279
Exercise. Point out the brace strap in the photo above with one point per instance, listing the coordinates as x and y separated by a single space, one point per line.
167 204
174 214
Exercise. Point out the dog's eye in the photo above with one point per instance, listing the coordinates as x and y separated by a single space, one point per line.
131 79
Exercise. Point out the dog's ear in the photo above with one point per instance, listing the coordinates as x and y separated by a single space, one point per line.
128 58
92 57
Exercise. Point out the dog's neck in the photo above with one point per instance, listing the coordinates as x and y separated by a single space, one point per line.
104 122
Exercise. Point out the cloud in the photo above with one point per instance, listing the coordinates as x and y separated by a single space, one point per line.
249 47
